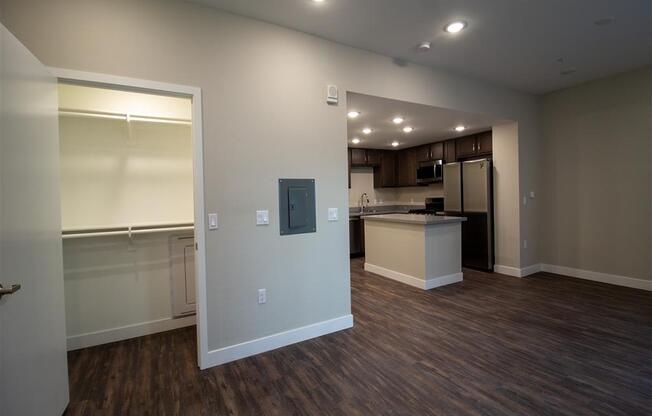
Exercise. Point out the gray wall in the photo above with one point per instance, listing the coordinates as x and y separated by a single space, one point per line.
263 92
597 212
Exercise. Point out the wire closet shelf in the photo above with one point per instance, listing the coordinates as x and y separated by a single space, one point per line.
128 230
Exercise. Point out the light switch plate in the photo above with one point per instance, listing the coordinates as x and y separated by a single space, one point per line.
332 214
262 217
212 221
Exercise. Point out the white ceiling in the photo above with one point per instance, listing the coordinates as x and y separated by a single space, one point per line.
514 43
430 124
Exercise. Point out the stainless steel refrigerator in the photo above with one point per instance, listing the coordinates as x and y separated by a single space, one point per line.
468 192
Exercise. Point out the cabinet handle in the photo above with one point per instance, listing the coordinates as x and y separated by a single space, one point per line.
474 147
478 147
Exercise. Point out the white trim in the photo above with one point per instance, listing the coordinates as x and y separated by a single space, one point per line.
91 339
526 271
508 270
394 275
444 280
599 277
281 339
198 178
414 281
517 272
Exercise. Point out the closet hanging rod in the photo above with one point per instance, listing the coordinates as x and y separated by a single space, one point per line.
125 230
123 116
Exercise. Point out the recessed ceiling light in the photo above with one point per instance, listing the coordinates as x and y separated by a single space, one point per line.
397 120
318 1
355 140
395 143
424 47
353 114
455 26
367 130
407 129
460 128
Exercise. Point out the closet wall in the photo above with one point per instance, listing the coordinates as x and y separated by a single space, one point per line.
119 172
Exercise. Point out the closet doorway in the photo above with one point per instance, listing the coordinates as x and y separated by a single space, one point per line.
131 182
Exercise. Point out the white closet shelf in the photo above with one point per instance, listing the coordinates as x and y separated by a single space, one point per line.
128 230
122 116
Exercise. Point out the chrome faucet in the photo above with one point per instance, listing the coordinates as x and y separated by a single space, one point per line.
364 197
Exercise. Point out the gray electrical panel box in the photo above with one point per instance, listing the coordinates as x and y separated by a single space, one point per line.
296 200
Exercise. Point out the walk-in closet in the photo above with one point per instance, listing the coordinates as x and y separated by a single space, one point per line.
127 213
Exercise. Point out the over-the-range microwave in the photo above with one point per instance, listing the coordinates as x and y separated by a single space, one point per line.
430 172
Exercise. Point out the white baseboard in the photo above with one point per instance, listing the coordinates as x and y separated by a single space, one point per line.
508 270
91 339
517 272
394 275
598 276
281 339
444 280
414 281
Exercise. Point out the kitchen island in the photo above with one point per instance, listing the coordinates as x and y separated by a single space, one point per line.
424 251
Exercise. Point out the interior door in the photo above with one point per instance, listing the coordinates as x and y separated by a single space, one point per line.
33 363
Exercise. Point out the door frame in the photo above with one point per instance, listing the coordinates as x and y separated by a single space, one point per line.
194 93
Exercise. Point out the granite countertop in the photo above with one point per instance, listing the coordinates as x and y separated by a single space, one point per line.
416 219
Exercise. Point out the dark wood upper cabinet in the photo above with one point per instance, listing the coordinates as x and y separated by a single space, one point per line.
385 173
358 157
484 143
428 152
475 145
437 151
449 151
406 168
399 167
423 153
465 146
373 157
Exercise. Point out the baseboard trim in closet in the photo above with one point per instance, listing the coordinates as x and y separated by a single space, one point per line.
91 339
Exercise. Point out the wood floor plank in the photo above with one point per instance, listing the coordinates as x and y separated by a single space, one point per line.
491 345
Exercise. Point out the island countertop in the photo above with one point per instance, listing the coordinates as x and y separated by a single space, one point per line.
415 219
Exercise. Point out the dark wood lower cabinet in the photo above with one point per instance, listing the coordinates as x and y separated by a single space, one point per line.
356 237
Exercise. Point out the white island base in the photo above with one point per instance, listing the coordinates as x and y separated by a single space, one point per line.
420 250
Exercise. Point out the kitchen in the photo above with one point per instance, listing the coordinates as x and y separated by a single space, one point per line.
420 190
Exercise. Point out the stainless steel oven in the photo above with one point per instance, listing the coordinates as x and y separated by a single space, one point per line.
430 172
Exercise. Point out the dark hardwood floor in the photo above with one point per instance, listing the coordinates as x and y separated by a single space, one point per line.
491 345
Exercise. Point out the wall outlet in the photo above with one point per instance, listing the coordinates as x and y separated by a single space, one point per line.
262 296
524 243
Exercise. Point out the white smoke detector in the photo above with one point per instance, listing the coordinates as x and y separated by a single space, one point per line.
424 47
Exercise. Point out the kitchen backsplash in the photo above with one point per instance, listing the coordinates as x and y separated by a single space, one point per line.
362 181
